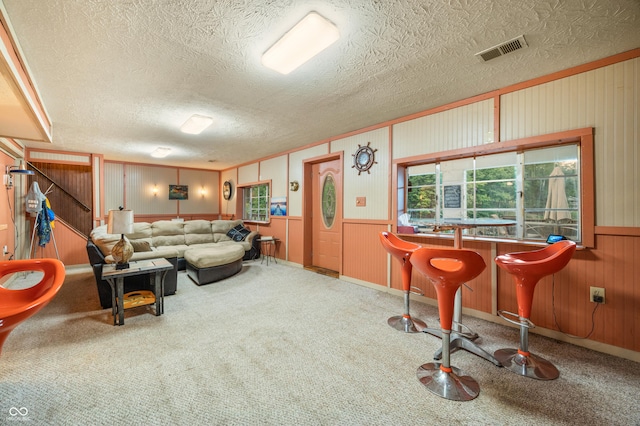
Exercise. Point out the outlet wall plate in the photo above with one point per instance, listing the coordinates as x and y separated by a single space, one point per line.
596 292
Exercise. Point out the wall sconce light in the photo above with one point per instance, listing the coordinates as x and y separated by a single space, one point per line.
202 192
294 185
155 190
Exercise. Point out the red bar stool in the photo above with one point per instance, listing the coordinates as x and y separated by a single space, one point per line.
448 269
527 268
402 250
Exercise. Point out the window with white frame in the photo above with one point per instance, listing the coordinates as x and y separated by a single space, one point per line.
539 189
255 203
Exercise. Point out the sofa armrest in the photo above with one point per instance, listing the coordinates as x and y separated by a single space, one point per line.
253 235
254 252
93 252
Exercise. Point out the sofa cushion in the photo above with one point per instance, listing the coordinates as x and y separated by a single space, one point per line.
141 230
140 245
104 241
238 233
198 232
213 256
246 245
167 233
223 226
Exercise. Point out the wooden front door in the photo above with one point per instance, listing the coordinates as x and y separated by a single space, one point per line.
326 184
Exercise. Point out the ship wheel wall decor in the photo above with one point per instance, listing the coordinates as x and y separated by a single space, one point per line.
364 158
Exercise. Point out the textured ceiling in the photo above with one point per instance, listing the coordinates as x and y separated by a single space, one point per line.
118 77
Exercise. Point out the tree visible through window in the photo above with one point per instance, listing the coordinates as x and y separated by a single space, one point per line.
421 196
548 180
256 202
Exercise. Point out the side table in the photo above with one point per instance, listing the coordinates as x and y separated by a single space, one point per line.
268 248
156 268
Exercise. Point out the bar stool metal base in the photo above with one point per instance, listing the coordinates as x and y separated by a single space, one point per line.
460 341
529 366
406 324
454 386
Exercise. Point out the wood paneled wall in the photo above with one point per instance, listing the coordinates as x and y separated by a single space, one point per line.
70 181
455 128
372 185
605 98
612 264
363 257
294 242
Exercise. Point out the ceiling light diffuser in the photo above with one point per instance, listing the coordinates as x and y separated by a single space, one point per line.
196 124
161 152
302 42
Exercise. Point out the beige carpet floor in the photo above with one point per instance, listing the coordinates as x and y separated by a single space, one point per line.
278 345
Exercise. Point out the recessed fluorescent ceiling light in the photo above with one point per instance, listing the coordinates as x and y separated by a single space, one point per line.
196 124
161 152
304 41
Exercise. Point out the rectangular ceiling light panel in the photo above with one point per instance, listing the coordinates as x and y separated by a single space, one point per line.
196 124
302 42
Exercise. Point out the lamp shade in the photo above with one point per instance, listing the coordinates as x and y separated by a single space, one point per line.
120 222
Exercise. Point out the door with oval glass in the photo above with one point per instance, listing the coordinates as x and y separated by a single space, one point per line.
326 185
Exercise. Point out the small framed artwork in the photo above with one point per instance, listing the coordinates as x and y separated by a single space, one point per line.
278 206
178 192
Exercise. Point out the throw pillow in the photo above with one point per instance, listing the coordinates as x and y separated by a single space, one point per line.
238 233
139 246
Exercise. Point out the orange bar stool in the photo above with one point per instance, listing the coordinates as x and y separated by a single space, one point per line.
447 269
16 305
527 268
402 250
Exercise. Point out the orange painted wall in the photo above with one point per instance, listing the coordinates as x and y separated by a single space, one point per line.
295 240
363 257
612 264
277 229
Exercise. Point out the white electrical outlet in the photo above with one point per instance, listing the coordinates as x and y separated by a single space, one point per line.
4 250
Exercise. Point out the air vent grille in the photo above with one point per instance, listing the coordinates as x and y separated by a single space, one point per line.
502 49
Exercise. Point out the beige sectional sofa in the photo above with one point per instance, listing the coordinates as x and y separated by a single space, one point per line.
169 239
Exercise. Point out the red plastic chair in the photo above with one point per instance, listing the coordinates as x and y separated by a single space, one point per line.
402 250
20 304
448 269
527 268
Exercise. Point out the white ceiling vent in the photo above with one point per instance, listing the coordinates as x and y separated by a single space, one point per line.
502 49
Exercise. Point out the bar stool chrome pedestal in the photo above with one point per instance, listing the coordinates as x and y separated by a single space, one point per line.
402 250
527 268
448 269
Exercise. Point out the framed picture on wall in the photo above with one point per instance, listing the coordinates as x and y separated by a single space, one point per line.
178 192
278 206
